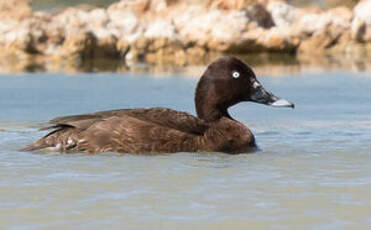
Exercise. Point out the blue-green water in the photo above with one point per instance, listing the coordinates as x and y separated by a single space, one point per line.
313 171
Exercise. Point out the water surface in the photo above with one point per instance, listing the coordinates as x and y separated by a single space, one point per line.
313 171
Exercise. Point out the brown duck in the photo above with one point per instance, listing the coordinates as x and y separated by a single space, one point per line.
226 82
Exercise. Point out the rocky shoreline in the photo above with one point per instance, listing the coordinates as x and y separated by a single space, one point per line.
180 33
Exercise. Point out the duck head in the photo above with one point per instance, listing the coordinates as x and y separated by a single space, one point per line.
226 82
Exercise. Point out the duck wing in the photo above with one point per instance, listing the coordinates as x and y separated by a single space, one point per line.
165 117
153 130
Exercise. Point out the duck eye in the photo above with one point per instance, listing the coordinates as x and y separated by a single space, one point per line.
236 74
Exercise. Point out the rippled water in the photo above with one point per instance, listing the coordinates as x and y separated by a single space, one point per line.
313 171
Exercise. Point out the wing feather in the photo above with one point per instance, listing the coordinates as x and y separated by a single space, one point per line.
169 118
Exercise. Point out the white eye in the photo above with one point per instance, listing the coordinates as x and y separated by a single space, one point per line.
236 74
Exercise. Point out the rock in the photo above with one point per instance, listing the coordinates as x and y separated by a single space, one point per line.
359 29
309 24
231 4
141 44
322 31
122 47
361 25
124 22
260 15
227 30
106 47
137 5
321 40
160 29
133 55
82 45
213 29
160 5
186 18
55 35
15 9
100 38
97 18
23 41
341 16
249 41
72 18
142 6
282 13
159 43
182 32
274 40
26 36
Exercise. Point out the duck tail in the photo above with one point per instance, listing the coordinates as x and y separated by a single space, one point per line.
34 146
44 142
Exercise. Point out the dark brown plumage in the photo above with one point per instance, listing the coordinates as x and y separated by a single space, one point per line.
226 82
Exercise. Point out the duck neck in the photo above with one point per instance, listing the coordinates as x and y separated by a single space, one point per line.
209 112
208 108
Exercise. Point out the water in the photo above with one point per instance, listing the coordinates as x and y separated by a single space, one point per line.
313 171
48 5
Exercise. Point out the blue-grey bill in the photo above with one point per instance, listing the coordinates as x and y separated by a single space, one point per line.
282 103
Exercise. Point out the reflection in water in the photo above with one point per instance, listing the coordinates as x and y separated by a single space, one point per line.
265 63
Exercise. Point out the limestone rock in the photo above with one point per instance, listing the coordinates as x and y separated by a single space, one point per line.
231 4
160 29
361 25
15 9
182 32
122 47
321 40
142 6
82 45
322 31
260 15
274 40
25 36
282 13
213 29
106 47
309 24
124 22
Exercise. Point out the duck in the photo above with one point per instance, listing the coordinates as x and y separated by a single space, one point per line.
226 82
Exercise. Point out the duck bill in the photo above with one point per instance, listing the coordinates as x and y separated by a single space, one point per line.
262 96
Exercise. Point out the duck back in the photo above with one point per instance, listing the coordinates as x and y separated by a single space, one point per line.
155 130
